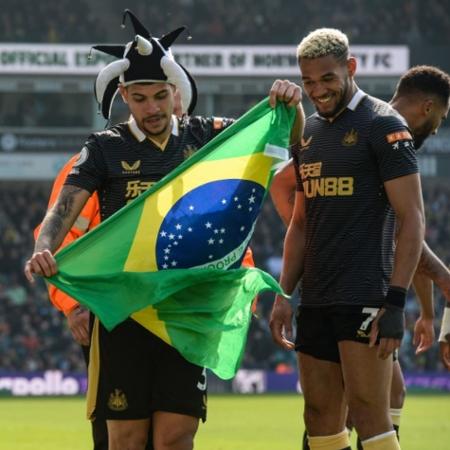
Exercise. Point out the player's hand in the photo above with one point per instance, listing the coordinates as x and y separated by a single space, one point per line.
423 334
281 323
285 91
388 326
41 263
444 348
78 321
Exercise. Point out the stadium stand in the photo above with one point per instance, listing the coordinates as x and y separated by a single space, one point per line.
231 22
34 336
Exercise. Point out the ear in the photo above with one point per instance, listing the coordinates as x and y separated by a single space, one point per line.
124 93
351 66
427 106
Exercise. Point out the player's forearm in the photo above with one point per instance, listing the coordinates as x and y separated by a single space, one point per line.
423 286
299 125
293 254
283 199
409 246
431 266
60 218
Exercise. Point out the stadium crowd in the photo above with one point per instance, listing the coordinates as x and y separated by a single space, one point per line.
231 22
34 336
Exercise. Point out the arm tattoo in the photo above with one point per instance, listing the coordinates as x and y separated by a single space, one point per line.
431 266
56 219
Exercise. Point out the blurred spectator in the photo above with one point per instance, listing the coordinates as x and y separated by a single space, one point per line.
34 336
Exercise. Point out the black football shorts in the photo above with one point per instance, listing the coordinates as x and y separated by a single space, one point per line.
319 329
140 374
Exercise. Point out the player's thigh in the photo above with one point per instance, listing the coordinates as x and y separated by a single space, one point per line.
128 433
367 378
323 391
321 381
171 430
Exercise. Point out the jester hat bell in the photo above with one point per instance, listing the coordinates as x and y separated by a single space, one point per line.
146 59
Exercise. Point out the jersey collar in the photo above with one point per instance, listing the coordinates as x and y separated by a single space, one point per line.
356 99
140 136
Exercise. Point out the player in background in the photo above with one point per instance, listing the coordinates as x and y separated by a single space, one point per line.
422 97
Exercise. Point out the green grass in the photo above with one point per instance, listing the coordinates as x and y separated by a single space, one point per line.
234 423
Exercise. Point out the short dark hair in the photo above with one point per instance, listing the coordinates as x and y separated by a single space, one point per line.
426 79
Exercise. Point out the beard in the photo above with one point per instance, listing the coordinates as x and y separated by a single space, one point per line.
421 135
155 129
342 103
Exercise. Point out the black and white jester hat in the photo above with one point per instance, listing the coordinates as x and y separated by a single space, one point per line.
146 59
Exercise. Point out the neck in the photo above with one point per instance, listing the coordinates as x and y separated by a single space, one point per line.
402 107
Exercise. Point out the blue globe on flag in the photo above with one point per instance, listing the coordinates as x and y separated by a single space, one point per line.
207 226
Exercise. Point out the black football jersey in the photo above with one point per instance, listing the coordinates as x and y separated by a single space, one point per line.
341 167
121 163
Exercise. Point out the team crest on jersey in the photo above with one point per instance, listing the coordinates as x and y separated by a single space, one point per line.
350 138
305 143
131 169
117 401
189 151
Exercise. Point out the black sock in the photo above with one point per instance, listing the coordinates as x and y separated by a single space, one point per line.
305 441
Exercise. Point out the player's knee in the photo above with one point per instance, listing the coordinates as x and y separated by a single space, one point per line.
319 419
175 440
128 440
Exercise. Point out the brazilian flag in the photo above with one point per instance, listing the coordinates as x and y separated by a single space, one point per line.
171 258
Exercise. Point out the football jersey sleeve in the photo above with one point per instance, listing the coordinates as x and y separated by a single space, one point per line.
89 171
393 147
207 128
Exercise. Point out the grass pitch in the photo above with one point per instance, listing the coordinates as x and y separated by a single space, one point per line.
234 423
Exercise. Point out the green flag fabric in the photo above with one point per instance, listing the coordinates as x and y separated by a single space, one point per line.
171 258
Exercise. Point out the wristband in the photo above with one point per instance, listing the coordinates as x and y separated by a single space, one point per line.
396 296
445 326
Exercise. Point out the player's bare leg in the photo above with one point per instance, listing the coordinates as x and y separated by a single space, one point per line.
367 381
323 390
128 434
173 431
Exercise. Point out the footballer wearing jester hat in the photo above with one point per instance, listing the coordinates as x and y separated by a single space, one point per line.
146 59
